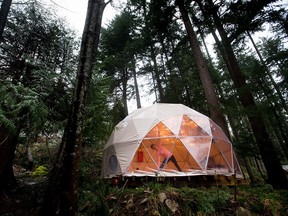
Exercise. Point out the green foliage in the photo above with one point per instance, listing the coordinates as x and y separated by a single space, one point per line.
275 53
264 199
6 122
185 86
98 123
20 105
206 201
37 69
40 171
155 198
93 190
92 198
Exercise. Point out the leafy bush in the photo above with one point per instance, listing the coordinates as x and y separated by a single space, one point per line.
93 202
263 199
205 200
40 171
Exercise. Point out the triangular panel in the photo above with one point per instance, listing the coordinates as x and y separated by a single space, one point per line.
184 157
173 123
236 167
226 150
159 130
216 160
198 148
217 132
203 122
143 160
190 128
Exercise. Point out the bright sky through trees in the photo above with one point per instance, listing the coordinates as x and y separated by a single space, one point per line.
74 11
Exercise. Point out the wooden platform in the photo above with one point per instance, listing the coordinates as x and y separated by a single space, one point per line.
192 181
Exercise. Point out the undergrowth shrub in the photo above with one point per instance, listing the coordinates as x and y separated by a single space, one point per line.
205 200
95 198
264 199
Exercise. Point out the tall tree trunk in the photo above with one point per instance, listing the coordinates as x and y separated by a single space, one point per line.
279 110
212 100
276 175
279 120
230 119
155 73
250 172
5 8
236 138
62 190
138 100
124 80
8 143
276 87
235 133
187 98
157 76
165 52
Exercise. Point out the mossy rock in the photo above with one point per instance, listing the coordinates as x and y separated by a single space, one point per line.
40 171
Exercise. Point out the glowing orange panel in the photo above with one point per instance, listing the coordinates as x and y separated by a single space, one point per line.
190 128
216 159
159 130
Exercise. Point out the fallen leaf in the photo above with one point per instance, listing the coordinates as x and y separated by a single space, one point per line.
144 200
172 205
162 197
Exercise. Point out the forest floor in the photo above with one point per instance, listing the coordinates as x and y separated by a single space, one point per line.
97 197
25 199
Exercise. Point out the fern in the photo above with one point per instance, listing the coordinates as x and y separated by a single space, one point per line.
20 104
6 123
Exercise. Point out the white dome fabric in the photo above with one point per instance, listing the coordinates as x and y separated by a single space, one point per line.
197 144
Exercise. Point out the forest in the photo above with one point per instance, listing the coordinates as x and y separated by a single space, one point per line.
62 95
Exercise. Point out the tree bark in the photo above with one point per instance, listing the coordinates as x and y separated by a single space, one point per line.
138 100
62 190
274 84
157 76
249 171
5 8
212 100
124 81
276 175
8 143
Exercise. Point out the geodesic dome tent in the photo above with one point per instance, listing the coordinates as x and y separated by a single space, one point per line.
199 146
